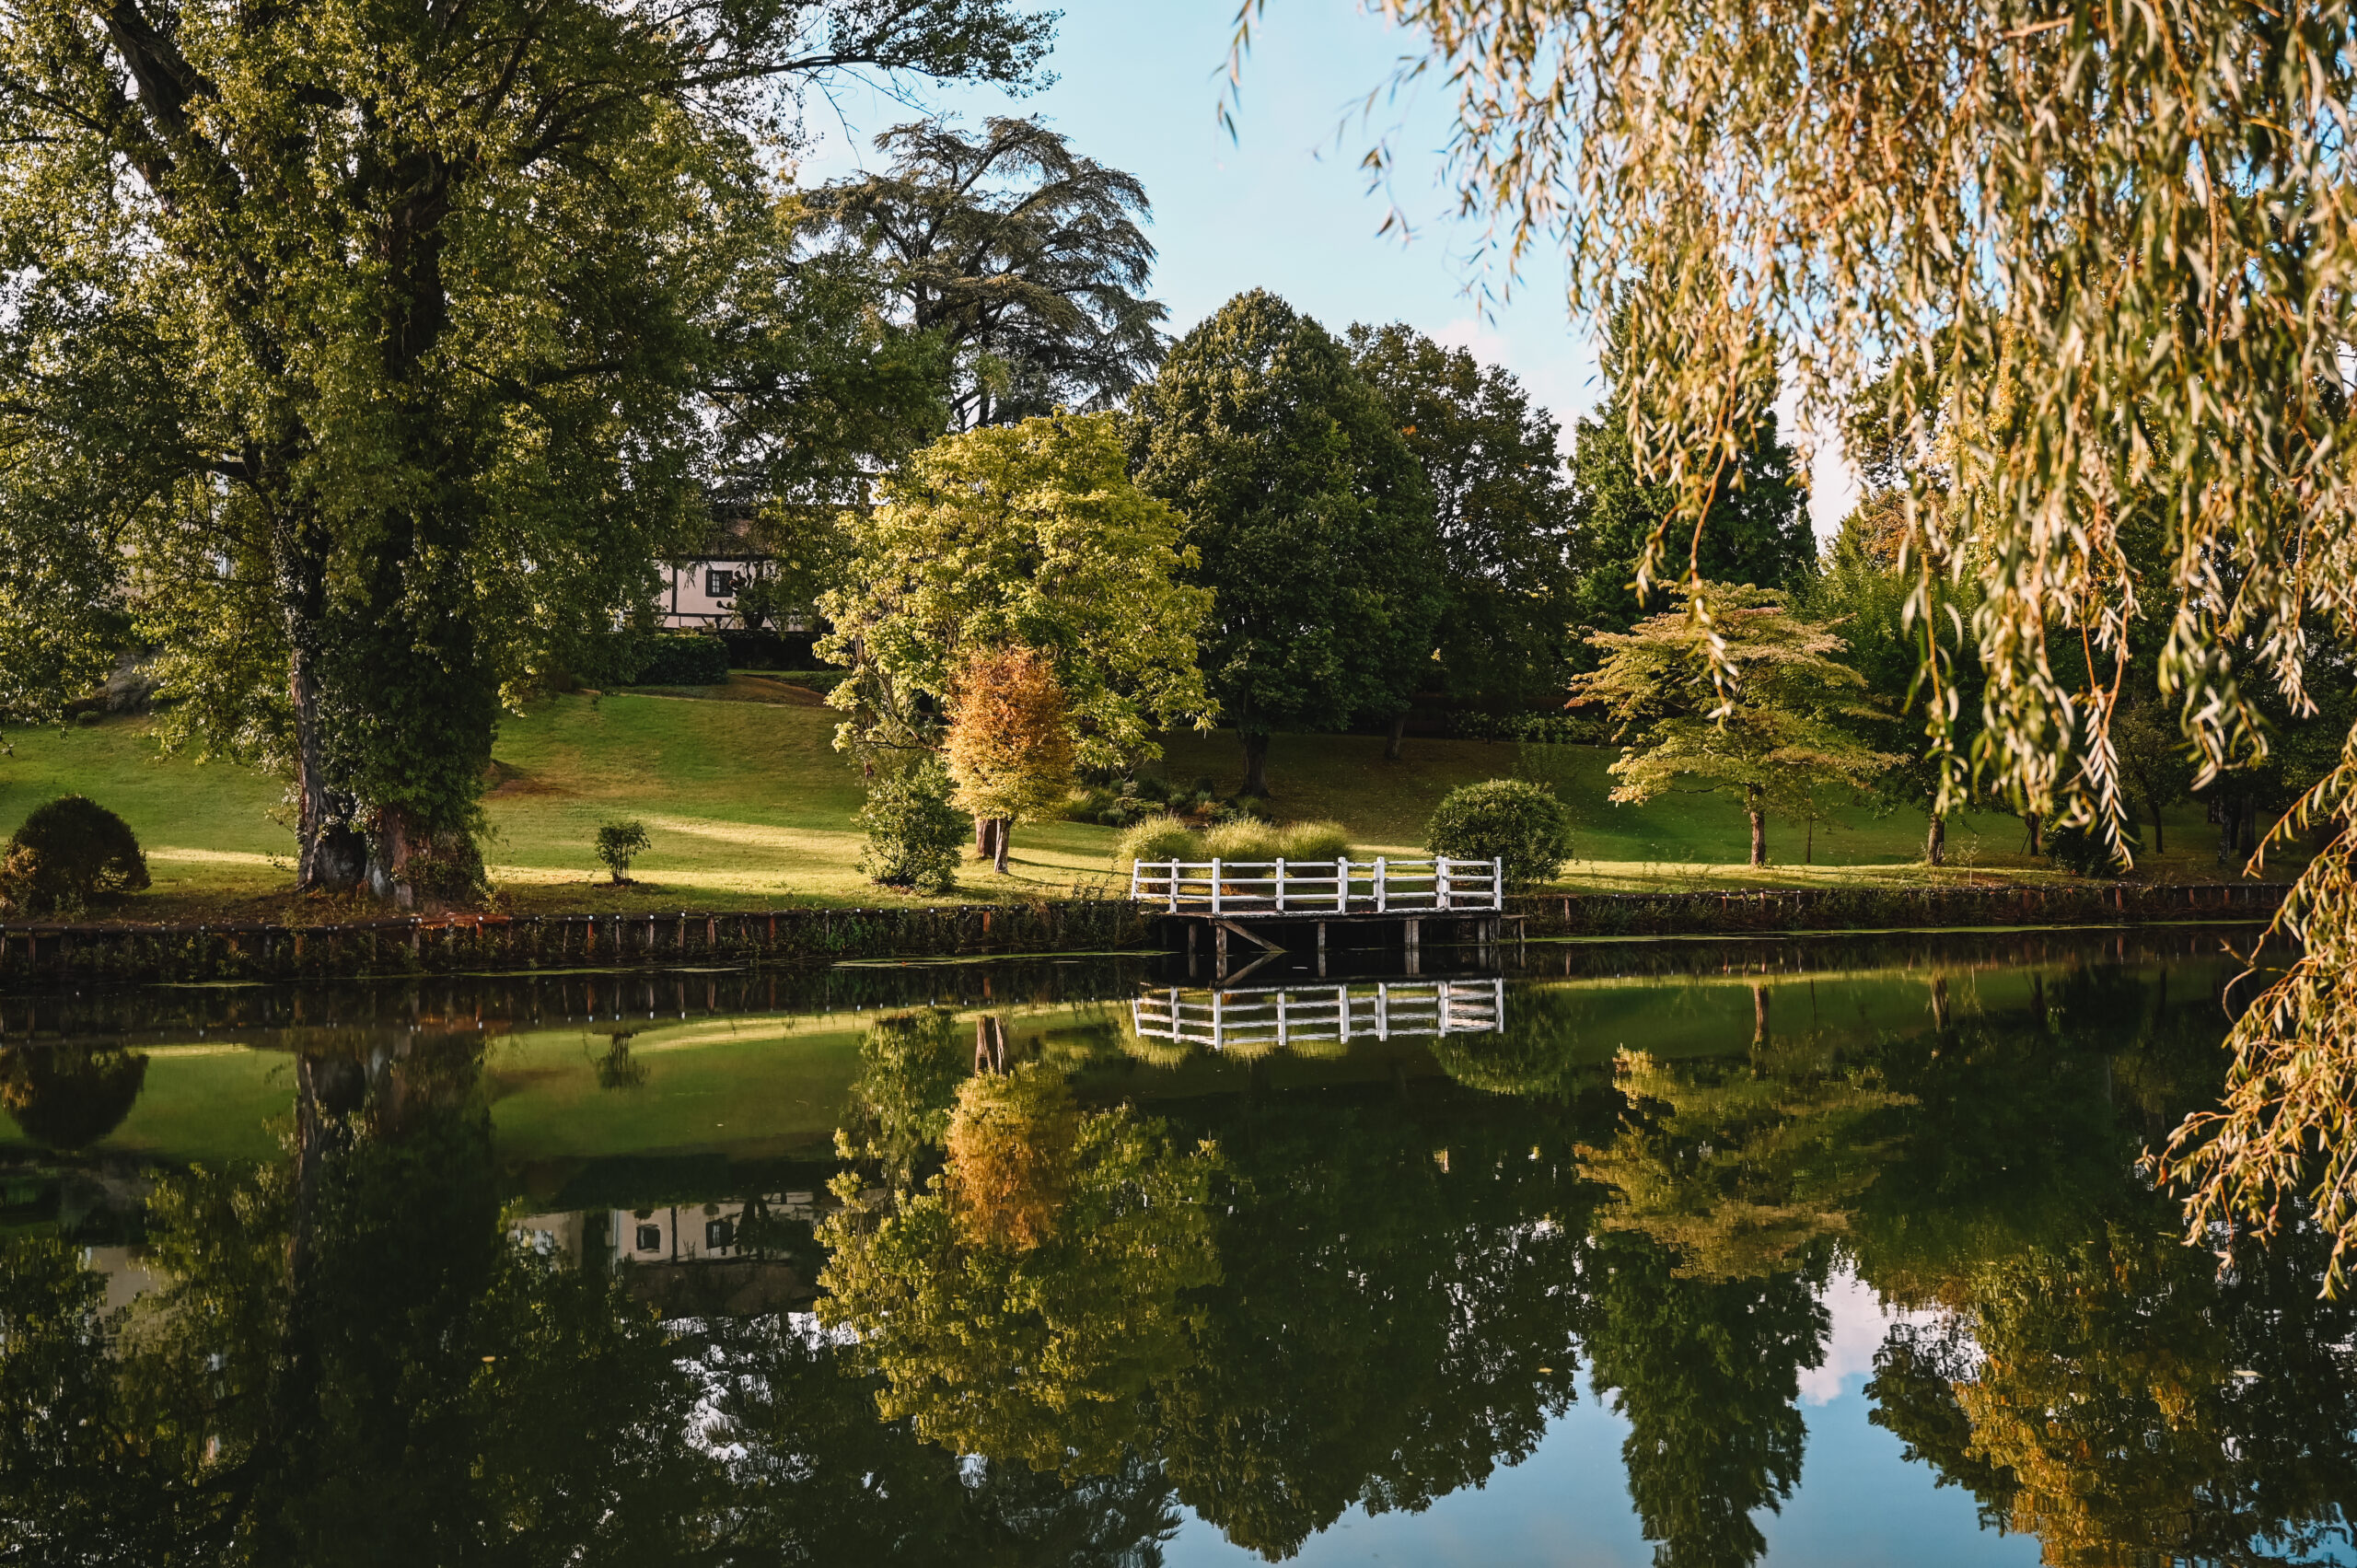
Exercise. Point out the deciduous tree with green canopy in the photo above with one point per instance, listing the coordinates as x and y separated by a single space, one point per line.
1757 533
1861 587
1501 507
1311 517
1029 535
2138 218
359 351
1749 701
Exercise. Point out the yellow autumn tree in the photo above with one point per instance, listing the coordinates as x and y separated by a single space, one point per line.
1009 749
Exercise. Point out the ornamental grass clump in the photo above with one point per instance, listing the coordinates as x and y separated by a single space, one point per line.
67 854
1243 838
1158 837
1315 841
1512 820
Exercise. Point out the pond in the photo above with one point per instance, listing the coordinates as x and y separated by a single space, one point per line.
1682 1252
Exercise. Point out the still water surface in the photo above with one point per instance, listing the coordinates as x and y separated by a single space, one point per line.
1687 1253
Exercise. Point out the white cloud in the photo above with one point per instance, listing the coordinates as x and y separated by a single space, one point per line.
1859 1324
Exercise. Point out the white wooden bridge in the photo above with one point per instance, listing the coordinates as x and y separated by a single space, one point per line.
1249 899
1263 1018
1296 889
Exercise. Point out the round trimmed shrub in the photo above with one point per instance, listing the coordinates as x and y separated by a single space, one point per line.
1509 819
913 831
67 853
68 1098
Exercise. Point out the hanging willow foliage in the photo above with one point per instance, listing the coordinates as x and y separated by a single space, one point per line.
2098 256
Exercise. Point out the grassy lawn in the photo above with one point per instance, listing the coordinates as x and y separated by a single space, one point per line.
1699 839
748 806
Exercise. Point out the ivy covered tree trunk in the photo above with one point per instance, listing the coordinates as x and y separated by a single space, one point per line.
1935 841
1256 763
1755 805
331 856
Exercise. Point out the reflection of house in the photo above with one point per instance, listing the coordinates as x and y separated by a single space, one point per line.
683 1258
687 1232
552 1235
127 1275
679 1234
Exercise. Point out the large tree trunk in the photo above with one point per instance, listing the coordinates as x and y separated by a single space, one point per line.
985 838
1760 1014
329 855
2033 840
1256 763
1001 829
1756 805
1399 731
1935 841
389 849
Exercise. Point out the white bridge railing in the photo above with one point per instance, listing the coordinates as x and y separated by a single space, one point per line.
1262 1017
1247 887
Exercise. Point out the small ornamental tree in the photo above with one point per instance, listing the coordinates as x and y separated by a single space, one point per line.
1010 744
1513 820
618 844
1768 727
912 830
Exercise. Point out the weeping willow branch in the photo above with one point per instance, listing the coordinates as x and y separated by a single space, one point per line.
2099 259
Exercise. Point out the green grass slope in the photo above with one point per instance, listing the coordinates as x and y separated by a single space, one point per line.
748 806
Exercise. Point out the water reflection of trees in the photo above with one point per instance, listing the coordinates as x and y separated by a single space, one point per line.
1270 1307
2088 1378
1292 1307
349 1360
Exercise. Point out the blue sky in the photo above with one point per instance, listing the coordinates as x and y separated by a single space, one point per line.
1283 204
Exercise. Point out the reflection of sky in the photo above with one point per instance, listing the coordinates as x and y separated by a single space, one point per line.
1858 1503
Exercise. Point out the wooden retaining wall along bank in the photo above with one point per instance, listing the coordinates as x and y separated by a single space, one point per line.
48 953
45 953
1891 909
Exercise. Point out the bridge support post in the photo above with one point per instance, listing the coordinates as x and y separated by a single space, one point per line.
1322 949
1414 929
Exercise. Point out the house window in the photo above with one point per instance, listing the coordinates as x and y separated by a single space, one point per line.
650 1239
719 1234
719 582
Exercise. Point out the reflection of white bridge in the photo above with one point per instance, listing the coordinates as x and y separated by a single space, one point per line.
1261 1017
